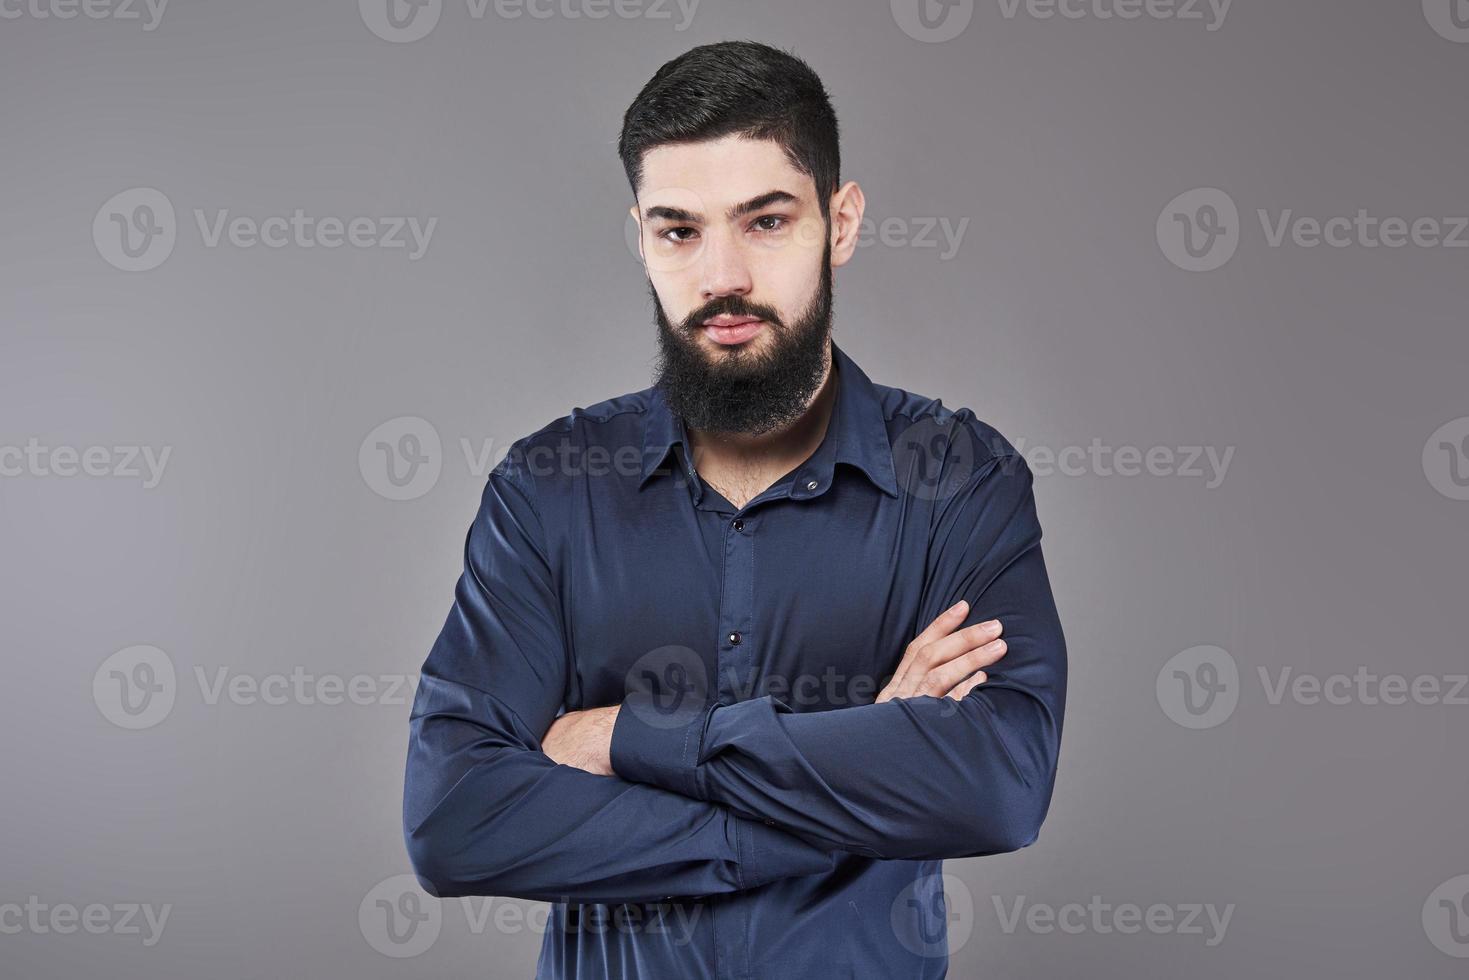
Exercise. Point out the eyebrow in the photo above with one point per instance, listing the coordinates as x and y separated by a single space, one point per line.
739 210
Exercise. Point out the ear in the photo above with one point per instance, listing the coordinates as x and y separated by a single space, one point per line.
847 207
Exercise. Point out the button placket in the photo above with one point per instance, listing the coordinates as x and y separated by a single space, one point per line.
736 610
735 661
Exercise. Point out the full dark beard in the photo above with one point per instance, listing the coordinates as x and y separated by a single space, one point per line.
741 391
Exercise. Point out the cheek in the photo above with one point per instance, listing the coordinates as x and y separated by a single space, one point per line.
678 293
809 234
788 282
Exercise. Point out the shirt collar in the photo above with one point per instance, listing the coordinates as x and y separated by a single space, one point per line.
856 435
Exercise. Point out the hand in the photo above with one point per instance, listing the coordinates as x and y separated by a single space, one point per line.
583 740
944 663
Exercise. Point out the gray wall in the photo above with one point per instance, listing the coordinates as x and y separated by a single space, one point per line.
1064 307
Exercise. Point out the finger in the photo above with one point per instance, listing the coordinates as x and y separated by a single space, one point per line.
959 643
917 679
945 677
966 686
944 624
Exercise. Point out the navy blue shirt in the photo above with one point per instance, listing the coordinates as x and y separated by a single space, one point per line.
767 819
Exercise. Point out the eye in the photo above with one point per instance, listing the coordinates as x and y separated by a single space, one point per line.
674 234
779 219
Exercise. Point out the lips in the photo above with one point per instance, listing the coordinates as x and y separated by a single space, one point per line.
727 329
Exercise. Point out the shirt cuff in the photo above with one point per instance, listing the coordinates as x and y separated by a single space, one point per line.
658 748
767 854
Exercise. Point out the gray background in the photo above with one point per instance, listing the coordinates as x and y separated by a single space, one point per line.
1059 320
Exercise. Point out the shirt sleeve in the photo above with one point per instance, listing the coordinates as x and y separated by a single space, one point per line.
912 778
485 812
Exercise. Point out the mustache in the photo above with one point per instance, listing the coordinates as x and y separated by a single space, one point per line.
733 306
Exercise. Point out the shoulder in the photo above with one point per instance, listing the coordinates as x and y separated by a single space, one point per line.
975 483
605 434
956 438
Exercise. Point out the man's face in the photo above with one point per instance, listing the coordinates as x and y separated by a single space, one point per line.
738 257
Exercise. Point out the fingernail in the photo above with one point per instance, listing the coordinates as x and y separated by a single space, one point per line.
958 605
992 625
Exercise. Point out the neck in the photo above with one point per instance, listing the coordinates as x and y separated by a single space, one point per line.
780 449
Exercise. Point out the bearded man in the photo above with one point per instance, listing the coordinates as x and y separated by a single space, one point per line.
738 660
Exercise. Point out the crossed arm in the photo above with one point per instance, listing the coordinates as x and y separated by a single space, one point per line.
919 774
750 792
486 812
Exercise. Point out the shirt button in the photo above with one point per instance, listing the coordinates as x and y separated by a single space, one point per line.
811 485
739 525
734 639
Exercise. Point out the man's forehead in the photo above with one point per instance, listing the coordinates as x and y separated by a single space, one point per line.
711 175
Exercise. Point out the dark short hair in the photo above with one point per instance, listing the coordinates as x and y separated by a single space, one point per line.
736 87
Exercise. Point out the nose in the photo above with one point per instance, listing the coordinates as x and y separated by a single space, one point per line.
724 271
